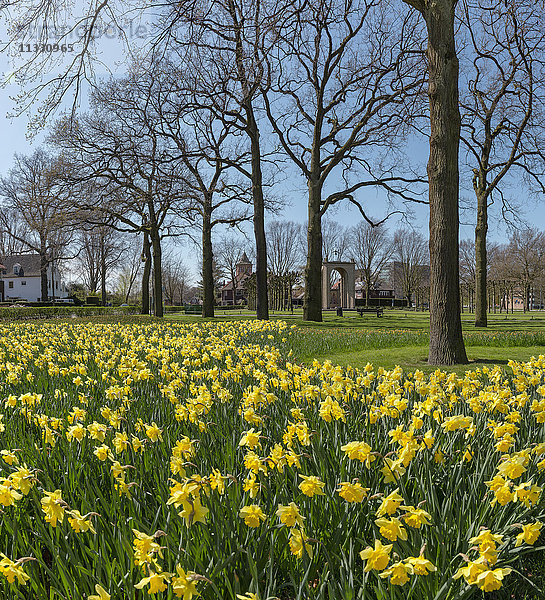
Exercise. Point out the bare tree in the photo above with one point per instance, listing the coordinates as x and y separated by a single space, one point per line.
526 252
372 249
101 249
446 340
409 255
175 279
33 189
336 242
467 272
229 41
341 88
129 272
283 247
228 252
140 186
501 111
285 262
208 146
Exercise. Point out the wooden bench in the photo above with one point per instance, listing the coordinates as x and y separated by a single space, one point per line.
378 310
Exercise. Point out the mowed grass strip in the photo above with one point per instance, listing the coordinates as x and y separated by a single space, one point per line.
401 338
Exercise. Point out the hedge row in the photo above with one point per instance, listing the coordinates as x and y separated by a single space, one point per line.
14 313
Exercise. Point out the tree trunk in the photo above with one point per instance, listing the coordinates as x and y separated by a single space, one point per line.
53 280
446 341
312 308
234 282
157 273
102 271
146 255
481 261
262 304
43 272
252 130
207 262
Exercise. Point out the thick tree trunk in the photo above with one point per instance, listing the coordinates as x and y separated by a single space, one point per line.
312 307
446 341
481 230
157 273
207 263
252 130
146 255
262 303
43 272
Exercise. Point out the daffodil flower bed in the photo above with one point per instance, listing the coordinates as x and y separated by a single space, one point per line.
197 460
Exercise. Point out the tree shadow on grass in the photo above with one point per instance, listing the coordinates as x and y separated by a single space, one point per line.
489 361
474 361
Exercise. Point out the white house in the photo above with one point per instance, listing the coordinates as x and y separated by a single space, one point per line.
20 279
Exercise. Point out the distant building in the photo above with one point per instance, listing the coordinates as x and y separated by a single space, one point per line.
380 294
20 279
237 294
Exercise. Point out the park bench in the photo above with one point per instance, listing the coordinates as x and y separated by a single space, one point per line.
379 311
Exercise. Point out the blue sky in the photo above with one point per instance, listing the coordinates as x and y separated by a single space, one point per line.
110 52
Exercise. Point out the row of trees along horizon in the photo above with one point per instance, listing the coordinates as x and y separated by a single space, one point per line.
100 254
225 97
515 269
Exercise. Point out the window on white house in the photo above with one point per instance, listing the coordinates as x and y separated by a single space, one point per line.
10 285
23 282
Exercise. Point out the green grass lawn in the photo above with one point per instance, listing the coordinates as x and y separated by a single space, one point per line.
415 357
392 319
401 337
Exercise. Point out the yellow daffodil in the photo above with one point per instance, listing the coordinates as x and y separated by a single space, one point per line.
529 534
252 515
376 558
289 515
398 573
101 594
311 485
391 529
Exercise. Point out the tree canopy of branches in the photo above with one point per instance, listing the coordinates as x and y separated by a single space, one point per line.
372 249
138 186
34 212
341 84
501 111
410 257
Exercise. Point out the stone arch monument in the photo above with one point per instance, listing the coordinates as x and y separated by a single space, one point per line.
347 271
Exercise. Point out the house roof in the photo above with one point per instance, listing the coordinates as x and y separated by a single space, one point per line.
240 279
30 263
244 260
